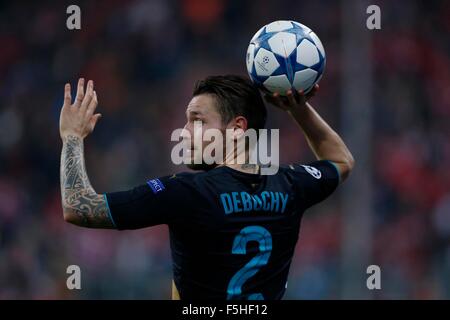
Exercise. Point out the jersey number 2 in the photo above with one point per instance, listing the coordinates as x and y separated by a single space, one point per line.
264 239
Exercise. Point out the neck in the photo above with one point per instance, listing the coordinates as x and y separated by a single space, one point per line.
247 168
232 160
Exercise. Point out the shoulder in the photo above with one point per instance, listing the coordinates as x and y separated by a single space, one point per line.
185 179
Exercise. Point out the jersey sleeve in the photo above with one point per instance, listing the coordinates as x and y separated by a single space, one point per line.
158 201
315 181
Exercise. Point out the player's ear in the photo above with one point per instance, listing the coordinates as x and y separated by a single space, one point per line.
239 125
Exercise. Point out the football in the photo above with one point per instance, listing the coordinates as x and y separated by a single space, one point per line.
285 55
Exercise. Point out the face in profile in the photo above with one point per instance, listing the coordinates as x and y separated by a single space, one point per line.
201 111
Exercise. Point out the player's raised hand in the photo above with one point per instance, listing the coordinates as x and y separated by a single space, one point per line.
293 100
78 118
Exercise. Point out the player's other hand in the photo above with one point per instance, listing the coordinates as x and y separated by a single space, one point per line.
78 118
293 101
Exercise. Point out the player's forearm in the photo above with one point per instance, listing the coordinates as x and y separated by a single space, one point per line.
322 139
81 204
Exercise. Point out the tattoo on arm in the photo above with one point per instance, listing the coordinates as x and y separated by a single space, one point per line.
79 198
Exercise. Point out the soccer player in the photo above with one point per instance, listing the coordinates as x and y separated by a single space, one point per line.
233 231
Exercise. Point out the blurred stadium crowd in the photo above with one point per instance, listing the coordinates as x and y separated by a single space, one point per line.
145 57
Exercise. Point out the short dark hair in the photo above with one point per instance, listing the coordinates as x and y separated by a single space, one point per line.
236 96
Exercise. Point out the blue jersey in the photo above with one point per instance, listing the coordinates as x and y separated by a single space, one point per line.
232 234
